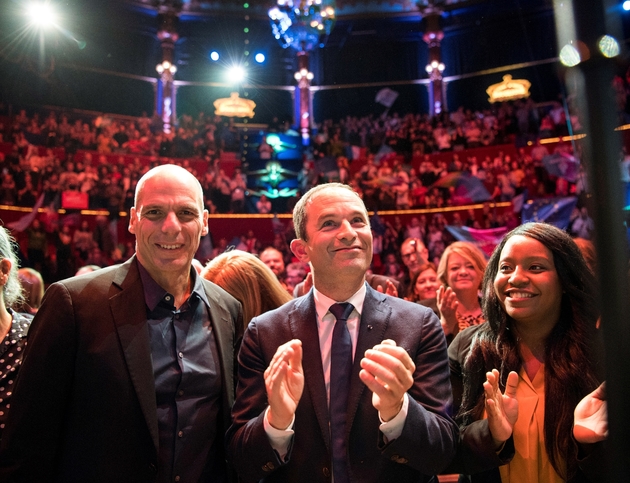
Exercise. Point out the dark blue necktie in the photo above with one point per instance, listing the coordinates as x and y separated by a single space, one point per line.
340 372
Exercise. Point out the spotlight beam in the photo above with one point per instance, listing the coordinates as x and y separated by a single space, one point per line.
41 15
236 74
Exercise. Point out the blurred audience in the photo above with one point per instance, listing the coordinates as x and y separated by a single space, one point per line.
92 156
86 269
414 254
295 273
274 259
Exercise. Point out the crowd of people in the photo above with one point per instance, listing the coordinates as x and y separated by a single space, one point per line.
447 370
103 158
198 137
204 135
395 181
352 348
414 135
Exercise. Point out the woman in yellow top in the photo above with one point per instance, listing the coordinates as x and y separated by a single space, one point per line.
540 304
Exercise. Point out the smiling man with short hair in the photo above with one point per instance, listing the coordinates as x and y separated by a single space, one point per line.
345 382
128 372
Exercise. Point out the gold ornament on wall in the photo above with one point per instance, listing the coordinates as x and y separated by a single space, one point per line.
234 106
508 90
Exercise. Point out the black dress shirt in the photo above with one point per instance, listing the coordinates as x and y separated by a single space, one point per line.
187 384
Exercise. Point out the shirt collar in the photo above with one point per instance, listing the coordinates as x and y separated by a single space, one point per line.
323 303
154 293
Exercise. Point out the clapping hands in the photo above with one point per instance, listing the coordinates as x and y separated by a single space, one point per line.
447 304
390 289
284 381
387 370
501 408
590 418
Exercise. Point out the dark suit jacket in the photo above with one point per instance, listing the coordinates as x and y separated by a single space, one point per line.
427 442
84 405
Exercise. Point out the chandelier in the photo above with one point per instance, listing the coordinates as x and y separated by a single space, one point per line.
302 24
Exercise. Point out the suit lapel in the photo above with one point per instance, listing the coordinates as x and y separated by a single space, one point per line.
224 338
374 321
303 323
130 317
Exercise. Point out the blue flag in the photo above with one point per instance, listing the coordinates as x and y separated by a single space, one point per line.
555 211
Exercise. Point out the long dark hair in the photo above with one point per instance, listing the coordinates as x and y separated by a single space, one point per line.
571 371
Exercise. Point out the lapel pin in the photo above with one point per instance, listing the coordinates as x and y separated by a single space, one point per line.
370 327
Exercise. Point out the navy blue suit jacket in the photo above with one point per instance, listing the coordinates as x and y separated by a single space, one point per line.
429 436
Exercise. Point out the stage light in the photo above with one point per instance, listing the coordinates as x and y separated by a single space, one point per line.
608 46
236 74
166 66
569 56
260 58
626 5
302 73
214 55
435 65
42 14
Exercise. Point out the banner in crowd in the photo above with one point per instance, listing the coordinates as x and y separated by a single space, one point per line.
555 211
468 188
563 165
25 221
386 97
486 240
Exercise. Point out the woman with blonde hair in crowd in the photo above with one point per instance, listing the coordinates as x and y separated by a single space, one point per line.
460 271
248 280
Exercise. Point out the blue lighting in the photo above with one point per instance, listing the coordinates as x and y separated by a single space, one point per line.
260 58
626 5
214 55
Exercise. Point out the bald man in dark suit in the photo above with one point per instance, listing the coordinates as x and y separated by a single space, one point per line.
128 375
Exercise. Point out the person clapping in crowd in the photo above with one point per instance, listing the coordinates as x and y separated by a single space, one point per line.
460 271
303 407
532 407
